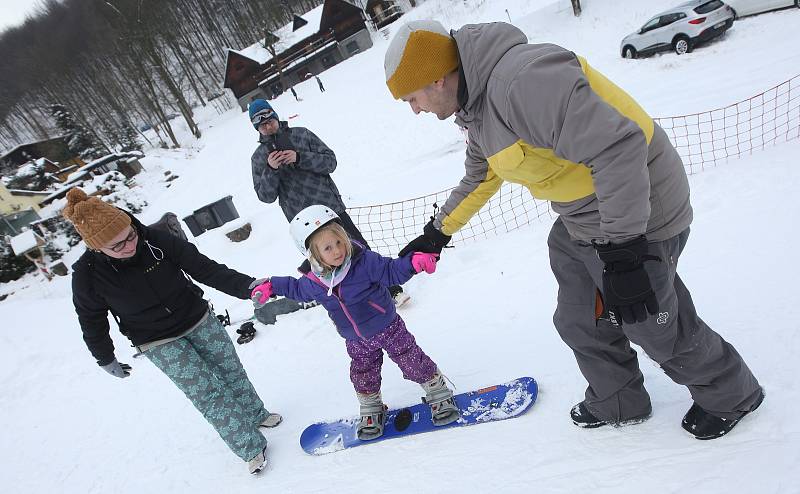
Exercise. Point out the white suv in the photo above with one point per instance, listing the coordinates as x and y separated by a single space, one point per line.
680 29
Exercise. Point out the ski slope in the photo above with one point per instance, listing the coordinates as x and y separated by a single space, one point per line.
484 316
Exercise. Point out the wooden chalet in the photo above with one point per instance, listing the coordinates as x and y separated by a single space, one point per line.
55 151
384 12
342 31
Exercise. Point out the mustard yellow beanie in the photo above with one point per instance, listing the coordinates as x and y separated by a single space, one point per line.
97 222
420 53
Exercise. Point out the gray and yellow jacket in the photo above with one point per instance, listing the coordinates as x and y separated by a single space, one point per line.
540 116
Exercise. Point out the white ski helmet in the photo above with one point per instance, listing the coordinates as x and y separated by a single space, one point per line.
307 222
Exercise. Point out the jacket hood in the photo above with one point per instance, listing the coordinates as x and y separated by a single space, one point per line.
480 47
305 267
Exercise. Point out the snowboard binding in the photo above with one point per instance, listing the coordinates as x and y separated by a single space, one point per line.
440 398
224 320
373 416
247 332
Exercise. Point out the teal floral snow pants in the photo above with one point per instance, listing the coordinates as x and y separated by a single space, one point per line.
204 365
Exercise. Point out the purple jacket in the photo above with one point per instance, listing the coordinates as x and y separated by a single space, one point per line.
360 306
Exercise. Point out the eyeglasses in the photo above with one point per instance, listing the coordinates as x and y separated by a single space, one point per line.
117 247
262 116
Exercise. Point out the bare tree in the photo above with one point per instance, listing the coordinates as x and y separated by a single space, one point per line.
576 7
134 64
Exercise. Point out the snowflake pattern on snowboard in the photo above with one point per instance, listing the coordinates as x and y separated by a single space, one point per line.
500 402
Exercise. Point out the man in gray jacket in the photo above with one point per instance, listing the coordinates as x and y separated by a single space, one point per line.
541 116
294 166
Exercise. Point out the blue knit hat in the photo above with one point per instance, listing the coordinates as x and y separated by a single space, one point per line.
261 110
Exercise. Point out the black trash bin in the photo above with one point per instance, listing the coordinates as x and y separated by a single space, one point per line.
193 225
224 210
205 218
212 216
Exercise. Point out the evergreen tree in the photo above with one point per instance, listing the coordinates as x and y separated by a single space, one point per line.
128 138
77 137
12 267
31 176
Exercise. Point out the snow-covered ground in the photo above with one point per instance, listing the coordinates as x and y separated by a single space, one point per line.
484 316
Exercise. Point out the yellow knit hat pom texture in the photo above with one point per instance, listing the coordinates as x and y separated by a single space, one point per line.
96 221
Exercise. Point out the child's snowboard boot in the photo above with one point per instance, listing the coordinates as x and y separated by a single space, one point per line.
440 399
373 416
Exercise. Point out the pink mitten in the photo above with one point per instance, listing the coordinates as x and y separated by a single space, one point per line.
423 261
261 292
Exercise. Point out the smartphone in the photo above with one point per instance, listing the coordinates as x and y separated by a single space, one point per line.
280 142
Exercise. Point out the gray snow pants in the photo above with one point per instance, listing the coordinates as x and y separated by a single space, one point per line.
204 365
685 348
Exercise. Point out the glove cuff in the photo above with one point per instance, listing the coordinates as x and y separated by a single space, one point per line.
255 283
436 236
623 255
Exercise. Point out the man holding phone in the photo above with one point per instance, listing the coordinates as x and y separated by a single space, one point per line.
293 165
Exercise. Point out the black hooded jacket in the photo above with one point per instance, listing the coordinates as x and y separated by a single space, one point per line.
148 293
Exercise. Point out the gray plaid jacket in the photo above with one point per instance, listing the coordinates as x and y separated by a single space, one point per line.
302 184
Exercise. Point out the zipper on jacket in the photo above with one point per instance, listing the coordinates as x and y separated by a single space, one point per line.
347 313
376 307
341 304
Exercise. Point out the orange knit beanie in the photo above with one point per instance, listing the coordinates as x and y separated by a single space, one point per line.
97 222
420 53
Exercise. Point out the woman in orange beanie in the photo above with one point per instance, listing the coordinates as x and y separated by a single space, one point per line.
139 275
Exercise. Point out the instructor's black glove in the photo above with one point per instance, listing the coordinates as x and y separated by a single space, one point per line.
431 240
627 292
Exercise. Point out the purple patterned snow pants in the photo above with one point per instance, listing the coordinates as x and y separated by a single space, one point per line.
367 358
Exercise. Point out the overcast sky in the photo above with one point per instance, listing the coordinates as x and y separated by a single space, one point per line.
13 12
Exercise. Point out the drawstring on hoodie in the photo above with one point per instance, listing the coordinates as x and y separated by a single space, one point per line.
319 272
153 250
333 276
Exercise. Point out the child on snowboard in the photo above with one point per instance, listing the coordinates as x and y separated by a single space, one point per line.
352 283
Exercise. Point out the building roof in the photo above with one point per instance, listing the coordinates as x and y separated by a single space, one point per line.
19 146
21 192
83 171
24 242
298 22
257 64
286 37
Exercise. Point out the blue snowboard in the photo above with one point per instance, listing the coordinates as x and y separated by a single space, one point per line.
500 402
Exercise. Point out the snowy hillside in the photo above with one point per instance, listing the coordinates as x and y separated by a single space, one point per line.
484 316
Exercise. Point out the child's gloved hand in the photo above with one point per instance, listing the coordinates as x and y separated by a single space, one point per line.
423 261
262 291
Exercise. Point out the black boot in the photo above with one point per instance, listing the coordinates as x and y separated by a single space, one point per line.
582 417
702 425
